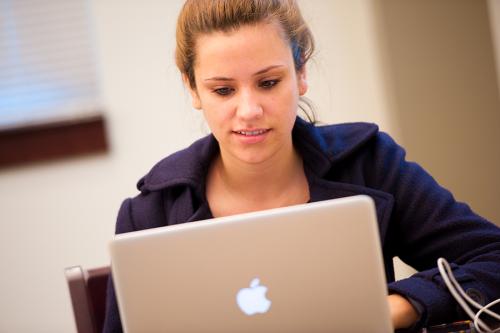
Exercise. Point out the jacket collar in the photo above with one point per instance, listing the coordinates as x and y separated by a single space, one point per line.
320 147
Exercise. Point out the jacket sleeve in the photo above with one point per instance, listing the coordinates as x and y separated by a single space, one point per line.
112 322
428 223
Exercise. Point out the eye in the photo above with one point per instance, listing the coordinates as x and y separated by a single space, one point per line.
224 91
268 84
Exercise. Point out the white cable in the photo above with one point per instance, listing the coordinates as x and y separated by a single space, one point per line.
460 295
443 266
464 294
483 309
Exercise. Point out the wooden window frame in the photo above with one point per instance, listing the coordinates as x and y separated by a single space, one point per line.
54 140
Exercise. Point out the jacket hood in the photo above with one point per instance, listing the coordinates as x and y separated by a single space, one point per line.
320 147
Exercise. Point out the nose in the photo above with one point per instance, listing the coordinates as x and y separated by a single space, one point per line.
249 106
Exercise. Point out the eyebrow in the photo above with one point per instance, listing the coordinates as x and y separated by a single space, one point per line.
262 71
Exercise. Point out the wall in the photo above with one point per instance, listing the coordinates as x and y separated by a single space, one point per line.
62 213
494 18
444 84
348 78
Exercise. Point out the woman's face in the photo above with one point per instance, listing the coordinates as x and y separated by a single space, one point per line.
248 89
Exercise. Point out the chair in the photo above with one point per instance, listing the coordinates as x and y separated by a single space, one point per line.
87 289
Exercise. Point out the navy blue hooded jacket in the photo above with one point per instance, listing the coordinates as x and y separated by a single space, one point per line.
419 221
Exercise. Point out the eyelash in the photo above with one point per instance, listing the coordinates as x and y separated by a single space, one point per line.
267 85
223 91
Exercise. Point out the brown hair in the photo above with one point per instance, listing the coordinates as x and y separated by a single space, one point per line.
206 16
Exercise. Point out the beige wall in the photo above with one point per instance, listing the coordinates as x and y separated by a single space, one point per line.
347 75
494 16
62 213
444 83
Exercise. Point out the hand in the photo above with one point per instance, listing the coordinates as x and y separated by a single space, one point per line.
403 314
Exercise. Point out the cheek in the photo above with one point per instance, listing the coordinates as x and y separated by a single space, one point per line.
292 106
213 124
216 115
211 118
288 100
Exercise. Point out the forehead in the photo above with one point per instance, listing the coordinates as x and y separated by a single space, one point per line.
247 48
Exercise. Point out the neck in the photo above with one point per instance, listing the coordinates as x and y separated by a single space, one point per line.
260 181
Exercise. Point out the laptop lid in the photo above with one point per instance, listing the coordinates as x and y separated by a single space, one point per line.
315 267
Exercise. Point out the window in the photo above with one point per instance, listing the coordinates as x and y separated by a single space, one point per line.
48 81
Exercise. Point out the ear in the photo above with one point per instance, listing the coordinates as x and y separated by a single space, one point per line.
302 81
195 99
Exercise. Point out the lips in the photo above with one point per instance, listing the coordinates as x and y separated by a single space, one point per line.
252 132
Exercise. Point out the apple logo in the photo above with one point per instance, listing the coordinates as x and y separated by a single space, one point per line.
253 300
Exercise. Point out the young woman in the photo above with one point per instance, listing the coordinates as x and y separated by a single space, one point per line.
244 63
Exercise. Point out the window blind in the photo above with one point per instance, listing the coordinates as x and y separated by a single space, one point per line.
47 62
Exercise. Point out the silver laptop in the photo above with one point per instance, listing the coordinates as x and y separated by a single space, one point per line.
309 268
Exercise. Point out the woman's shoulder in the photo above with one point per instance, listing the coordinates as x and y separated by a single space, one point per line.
347 136
336 142
186 166
168 192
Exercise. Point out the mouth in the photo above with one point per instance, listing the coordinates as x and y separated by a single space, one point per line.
256 132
